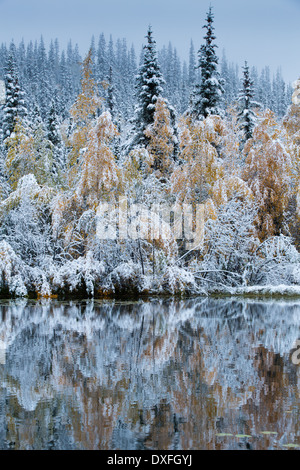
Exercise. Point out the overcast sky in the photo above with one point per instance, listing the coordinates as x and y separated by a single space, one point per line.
263 32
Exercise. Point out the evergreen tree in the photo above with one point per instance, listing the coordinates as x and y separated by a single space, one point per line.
279 94
208 94
101 58
246 115
226 78
3 59
53 62
111 53
93 56
148 90
111 99
192 66
55 141
230 77
21 59
131 79
34 115
52 125
65 84
265 89
184 92
115 115
15 103
43 89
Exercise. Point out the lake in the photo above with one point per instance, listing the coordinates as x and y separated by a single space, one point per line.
160 374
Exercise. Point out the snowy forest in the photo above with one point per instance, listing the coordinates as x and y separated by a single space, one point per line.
152 130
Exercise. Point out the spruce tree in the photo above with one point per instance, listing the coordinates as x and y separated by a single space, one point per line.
111 98
279 94
192 66
101 58
15 104
55 141
207 96
44 89
265 89
231 81
149 87
114 112
246 115
65 84
53 133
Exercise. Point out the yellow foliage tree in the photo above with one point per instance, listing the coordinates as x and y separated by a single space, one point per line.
66 212
27 153
83 113
267 172
223 135
99 178
161 140
192 180
230 143
291 124
137 165
27 187
229 187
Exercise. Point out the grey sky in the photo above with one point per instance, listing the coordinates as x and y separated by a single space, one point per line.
263 32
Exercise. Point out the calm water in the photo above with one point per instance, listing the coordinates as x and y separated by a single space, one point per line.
149 375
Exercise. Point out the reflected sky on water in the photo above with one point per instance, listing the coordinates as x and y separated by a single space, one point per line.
190 374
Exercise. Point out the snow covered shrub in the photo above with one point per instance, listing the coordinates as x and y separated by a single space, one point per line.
29 189
276 261
229 244
178 281
18 278
79 276
25 221
233 255
12 272
37 282
126 279
28 231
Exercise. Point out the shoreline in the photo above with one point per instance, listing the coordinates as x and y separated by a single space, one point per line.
248 292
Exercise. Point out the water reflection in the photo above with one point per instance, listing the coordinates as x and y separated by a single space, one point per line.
148 375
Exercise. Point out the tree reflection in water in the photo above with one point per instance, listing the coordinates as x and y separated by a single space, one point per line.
148 375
